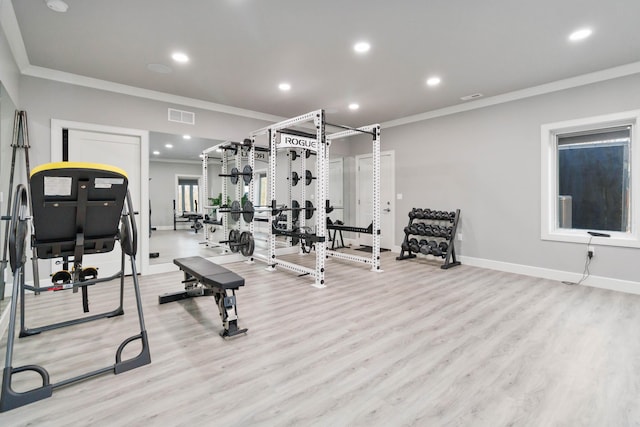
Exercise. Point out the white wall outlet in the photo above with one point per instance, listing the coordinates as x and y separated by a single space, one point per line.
591 249
399 196
460 236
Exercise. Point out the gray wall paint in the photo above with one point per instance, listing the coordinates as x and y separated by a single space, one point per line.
162 187
487 163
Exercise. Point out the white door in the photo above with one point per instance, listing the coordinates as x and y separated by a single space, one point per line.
116 147
336 189
364 190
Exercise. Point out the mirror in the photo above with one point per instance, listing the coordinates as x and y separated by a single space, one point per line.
7 112
176 196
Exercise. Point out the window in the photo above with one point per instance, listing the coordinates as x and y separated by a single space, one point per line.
187 195
589 174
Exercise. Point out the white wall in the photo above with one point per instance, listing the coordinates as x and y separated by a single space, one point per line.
487 163
9 72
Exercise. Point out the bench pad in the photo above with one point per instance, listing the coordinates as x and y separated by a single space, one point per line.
208 273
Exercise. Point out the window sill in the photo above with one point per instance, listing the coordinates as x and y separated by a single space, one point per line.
617 239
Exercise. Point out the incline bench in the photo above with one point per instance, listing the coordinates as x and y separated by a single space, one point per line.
204 278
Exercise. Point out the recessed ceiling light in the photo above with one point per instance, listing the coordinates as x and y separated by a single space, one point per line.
57 5
156 153
159 68
580 34
353 106
180 57
186 136
284 87
168 145
361 47
433 81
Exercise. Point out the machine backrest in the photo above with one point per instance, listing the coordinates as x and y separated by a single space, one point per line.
76 203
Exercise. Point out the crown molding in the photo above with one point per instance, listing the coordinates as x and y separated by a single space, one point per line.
582 80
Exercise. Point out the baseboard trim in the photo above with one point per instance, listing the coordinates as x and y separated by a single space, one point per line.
619 285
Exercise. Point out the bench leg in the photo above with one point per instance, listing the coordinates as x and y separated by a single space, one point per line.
226 300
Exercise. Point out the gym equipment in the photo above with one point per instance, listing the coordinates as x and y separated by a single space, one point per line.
295 209
307 154
241 242
78 209
246 174
433 224
204 278
185 216
20 140
247 211
308 177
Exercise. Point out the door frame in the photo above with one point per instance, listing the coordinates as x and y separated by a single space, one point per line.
56 156
200 192
392 155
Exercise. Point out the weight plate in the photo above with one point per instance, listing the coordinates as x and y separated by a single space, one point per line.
308 177
247 174
234 176
233 240
246 243
294 178
308 213
295 210
235 210
248 211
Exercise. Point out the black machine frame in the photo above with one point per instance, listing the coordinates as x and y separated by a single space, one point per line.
127 237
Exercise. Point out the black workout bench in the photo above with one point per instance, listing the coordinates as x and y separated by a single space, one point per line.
205 278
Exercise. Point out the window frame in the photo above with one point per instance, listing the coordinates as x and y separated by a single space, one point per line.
549 177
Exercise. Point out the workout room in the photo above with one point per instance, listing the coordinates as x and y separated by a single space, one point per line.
362 213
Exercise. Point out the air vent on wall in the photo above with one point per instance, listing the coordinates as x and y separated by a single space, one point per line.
180 116
473 96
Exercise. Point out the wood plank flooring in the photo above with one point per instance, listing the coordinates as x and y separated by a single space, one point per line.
412 346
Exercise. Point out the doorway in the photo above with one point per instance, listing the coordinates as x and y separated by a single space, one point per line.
364 197
120 147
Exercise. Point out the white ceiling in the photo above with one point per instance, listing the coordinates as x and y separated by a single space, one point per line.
181 148
241 49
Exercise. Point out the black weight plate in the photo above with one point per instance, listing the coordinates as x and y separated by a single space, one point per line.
295 210
308 177
294 178
233 239
235 210
245 236
247 174
234 176
308 213
248 211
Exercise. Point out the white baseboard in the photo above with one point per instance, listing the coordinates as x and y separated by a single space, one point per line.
546 273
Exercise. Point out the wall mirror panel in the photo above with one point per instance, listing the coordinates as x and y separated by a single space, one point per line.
7 112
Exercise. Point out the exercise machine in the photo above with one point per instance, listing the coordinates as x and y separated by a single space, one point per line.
78 209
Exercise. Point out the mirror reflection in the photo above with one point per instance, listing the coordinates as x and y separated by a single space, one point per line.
176 197
7 112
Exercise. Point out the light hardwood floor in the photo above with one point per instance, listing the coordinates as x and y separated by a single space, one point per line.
415 345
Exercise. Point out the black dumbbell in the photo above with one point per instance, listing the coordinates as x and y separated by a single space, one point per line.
414 246
425 249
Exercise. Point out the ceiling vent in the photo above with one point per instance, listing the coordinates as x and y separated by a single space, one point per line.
186 117
473 96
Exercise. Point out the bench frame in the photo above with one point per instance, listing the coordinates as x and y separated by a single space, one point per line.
198 286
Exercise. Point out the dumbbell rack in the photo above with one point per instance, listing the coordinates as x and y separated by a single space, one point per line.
438 225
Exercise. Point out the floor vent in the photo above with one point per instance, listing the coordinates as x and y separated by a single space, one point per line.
180 116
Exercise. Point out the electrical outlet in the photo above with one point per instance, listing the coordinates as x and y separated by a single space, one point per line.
591 250
460 236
